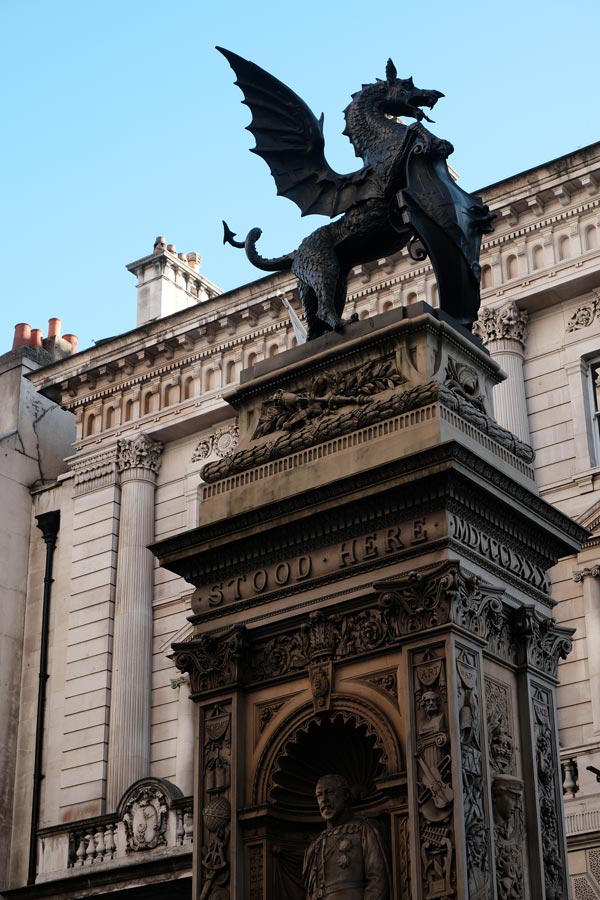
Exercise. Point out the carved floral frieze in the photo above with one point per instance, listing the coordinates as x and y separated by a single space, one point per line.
413 604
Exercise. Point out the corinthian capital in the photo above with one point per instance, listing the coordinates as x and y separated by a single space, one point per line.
505 322
139 453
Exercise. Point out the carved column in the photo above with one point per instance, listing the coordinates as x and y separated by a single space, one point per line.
452 840
504 333
214 666
540 643
129 739
591 596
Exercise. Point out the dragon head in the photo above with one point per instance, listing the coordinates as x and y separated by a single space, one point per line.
402 98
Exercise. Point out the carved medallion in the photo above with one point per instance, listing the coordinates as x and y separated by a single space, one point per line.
145 818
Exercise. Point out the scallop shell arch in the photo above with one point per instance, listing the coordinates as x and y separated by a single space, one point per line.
370 744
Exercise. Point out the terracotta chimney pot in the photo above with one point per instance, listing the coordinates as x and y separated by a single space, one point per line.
194 260
54 328
72 339
22 335
172 249
36 337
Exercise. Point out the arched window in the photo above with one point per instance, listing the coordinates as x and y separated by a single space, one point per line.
564 246
128 411
90 426
511 266
273 349
172 395
151 402
230 372
411 298
537 257
110 417
252 359
210 380
486 276
189 388
590 238
387 306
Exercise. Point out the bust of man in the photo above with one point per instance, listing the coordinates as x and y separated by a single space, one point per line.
346 861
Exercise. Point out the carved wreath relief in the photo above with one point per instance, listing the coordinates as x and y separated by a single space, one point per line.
434 764
507 794
216 815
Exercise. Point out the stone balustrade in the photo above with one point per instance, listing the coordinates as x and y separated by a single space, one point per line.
102 841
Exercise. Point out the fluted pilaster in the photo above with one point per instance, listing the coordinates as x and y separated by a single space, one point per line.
129 738
504 332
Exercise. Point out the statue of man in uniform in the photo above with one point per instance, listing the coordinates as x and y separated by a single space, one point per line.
346 861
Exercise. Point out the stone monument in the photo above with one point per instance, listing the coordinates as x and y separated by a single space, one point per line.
371 599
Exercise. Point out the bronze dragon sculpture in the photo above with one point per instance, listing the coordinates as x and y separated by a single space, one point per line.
403 194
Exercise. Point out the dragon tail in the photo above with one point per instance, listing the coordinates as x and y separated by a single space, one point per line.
276 264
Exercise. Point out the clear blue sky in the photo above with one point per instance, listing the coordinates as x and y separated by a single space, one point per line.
121 122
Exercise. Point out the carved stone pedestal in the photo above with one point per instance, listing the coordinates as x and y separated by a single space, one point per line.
372 601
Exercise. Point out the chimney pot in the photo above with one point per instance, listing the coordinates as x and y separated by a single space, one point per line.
72 339
171 248
22 335
36 337
194 260
54 328
159 244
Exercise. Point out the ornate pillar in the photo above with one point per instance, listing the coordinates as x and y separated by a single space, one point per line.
129 738
504 333
591 595
184 765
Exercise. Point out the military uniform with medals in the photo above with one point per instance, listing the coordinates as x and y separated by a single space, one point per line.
347 862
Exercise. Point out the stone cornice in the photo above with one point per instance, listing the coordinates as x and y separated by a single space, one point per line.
95 470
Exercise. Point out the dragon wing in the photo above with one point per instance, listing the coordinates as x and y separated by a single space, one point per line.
289 138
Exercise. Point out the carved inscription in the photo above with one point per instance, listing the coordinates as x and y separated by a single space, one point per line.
345 555
499 553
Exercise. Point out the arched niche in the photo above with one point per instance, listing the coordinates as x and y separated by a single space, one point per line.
353 738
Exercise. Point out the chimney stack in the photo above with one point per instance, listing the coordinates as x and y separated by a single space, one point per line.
22 336
54 328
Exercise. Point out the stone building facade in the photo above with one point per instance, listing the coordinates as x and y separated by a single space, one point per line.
134 421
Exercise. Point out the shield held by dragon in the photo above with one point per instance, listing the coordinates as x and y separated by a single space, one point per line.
403 194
